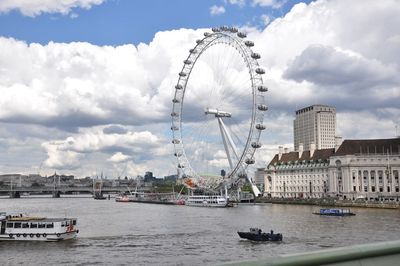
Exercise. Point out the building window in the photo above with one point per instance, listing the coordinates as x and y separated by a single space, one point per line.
373 188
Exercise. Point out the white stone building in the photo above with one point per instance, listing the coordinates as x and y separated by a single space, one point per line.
298 174
315 124
366 169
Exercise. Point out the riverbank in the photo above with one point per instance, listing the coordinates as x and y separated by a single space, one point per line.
330 202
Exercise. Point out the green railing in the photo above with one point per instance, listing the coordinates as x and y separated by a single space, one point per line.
381 253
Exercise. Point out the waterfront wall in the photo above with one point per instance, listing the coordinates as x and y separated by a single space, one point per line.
330 202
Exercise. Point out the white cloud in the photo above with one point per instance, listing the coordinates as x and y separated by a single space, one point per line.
240 3
269 3
37 7
217 10
265 19
119 157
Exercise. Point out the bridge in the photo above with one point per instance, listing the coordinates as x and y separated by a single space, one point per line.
16 192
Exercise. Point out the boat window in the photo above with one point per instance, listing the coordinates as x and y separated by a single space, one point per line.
10 225
63 224
74 222
41 225
34 225
17 225
50 225
25 225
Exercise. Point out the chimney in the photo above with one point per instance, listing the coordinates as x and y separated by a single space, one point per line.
280 152
312 149
338 142
286 150
300 150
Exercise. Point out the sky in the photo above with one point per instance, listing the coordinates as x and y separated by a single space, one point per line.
86 85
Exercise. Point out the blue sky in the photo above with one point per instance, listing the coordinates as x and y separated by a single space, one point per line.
87 85
117 22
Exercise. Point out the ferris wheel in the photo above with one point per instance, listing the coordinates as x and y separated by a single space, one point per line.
218 110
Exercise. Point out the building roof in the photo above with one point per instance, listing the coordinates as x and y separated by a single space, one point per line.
293 156
369 146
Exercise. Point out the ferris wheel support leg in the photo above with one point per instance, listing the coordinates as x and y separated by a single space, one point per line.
254 188
226 136
223 134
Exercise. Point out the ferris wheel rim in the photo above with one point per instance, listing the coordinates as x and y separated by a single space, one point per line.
233 38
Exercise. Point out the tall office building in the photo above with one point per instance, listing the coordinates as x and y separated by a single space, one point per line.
315 124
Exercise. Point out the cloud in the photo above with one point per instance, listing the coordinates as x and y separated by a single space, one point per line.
38 7
265 19
269 3
119 157
79 84
217 10
239 3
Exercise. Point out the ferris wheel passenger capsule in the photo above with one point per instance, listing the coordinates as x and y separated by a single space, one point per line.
260 71
249 43
262 107
174 128
206 34
256 145
182 74
179 87
262 88
255 56
193 51
175 100
187 62
241 35
249 161
198 41
260 126
176 141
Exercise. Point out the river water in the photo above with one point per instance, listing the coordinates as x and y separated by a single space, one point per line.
113 233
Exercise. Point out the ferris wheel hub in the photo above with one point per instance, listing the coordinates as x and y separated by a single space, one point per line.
217 113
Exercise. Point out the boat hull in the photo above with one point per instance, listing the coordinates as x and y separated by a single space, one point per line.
260 237
39 237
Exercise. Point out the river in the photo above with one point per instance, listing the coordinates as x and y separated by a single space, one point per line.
113 233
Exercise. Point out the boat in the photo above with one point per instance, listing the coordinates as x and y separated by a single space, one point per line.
207 201
33 228
256 234
334 212
148 197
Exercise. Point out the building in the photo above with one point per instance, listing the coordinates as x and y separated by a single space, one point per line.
367 169
298 174
315 124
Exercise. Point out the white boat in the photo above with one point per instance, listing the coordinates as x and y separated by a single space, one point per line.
31 228
207 201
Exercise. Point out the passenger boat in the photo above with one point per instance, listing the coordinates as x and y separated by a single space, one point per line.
207 201
31 228
155 198
334 212
256 234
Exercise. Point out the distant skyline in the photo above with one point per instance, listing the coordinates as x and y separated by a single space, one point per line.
86 85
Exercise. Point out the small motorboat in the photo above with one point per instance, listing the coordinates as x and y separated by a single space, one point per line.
334 212
256 234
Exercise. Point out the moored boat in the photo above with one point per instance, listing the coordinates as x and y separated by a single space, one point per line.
33 228
335 212
207 201
155 198
256 234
